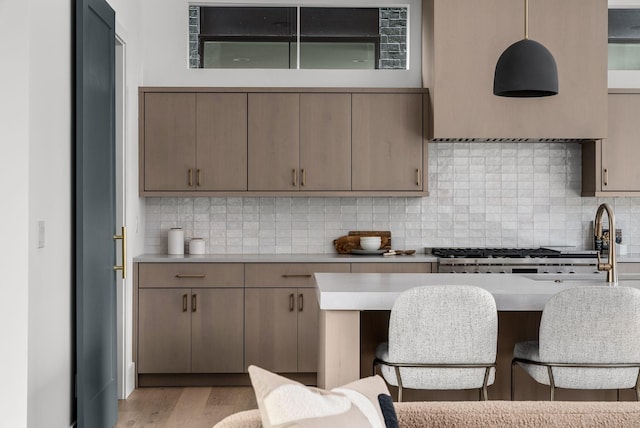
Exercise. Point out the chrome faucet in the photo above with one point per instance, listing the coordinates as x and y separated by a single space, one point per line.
611 266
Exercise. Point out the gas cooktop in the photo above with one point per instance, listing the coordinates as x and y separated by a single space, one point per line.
478 253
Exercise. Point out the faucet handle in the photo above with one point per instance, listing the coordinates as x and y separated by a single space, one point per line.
602 266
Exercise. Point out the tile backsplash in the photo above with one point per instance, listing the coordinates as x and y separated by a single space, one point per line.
481 194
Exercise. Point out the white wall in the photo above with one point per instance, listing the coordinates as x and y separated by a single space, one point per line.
165 55
35 171
128 30
14 179
624 78
50 137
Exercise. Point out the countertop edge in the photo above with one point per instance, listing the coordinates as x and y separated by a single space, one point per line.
307 258
283 258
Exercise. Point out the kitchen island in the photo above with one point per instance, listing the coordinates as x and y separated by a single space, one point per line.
354 309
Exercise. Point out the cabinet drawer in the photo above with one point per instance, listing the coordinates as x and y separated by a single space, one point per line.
288 274
391 267
159 275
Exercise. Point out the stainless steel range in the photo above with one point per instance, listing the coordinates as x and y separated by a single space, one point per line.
516 260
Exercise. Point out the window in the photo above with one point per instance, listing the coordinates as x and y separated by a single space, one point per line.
624 39
268 37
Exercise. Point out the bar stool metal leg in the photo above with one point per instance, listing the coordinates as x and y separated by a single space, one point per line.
399 384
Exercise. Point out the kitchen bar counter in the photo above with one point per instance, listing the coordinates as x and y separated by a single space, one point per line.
343 297
378 291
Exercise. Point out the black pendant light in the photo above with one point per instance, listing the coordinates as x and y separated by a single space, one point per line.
526 68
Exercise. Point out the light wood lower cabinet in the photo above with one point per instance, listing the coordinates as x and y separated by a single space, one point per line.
391 267
281 315
217 331
186 330
190 317
164 331
282 329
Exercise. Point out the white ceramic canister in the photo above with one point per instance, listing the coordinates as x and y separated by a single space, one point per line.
196 246
176 241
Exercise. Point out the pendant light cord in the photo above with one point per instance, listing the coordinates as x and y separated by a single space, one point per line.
526 19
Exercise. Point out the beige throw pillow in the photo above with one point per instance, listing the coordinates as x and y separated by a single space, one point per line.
286 403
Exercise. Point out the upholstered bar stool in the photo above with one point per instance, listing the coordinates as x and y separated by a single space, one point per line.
441 337
589 339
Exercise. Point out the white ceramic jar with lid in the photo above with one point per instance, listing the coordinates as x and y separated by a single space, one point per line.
196 246
176 241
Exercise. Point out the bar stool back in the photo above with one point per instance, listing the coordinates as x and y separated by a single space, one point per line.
589 339
441 337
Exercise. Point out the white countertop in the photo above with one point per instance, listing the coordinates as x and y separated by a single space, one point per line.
283 258
378 291
305 258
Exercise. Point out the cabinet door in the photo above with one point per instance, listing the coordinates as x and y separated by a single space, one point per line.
271 338
325 141
621 150
387 142
273 141
164 331
217 328
308 336
222 142
391 267
169 141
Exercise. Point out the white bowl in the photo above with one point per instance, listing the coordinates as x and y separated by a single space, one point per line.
370 242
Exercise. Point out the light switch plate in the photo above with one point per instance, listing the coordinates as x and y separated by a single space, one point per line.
41 234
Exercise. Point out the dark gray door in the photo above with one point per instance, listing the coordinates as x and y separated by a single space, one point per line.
95 215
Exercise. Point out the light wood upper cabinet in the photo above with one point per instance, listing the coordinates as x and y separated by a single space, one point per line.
465 38
610 166
221 133
283 141
299 142
387 142
621 149
274 130
325 141
194 142
169 142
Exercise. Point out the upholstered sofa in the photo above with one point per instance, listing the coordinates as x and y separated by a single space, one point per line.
494 414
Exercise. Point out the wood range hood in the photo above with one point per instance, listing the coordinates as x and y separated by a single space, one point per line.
462 41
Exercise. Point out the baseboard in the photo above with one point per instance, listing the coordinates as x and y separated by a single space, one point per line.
130 379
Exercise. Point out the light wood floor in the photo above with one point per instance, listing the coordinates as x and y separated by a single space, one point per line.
194 407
